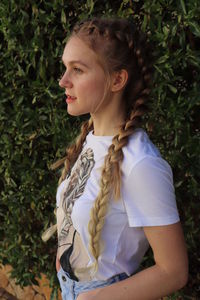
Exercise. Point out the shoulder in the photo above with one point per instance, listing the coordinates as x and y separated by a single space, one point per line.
148 190
138 148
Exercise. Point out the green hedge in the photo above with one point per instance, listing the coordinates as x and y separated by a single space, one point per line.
35 128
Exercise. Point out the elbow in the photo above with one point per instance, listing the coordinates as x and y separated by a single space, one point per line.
182 274
182 279
177 277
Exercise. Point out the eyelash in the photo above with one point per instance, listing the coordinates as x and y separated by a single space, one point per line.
77 70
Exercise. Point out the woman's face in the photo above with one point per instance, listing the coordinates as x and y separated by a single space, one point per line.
84 80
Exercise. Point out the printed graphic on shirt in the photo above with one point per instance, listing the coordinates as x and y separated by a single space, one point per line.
71 251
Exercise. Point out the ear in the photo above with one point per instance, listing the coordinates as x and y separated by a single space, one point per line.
119 80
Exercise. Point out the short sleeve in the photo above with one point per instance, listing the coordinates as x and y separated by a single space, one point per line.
149 195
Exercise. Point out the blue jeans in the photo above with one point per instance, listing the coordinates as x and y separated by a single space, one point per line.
71 288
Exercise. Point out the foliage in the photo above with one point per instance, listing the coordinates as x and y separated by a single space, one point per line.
35 128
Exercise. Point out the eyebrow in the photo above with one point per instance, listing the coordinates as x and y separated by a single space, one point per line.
72 62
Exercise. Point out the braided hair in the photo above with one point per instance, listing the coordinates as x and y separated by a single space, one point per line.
119 45
72 152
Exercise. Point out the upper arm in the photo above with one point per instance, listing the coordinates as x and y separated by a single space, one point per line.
169 249
149 194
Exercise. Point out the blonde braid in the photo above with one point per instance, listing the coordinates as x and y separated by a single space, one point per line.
110 180
72 154
73 151
111 171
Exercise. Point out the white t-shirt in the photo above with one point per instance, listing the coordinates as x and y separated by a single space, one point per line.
147 199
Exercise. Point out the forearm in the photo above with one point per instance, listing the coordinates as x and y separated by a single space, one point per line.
57 263
151 283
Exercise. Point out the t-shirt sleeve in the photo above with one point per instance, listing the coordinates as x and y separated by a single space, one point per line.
149 195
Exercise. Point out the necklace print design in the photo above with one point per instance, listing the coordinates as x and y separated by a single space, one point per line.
70 248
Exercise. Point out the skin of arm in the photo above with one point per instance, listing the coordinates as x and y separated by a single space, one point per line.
57 263
167 275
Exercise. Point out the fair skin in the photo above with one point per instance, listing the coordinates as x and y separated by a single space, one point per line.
84 79
168 274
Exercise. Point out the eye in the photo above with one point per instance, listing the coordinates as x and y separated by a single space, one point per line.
78 70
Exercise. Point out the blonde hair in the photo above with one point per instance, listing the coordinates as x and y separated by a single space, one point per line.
123 47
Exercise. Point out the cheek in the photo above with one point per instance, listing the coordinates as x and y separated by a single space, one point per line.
93 88
96 96
97 86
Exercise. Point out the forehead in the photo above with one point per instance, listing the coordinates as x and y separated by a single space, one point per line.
78 50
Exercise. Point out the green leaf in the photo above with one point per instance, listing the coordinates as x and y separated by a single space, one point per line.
195 28
162 59
63 17
172 88
183 7
90 5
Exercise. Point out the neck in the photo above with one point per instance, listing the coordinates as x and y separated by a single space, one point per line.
107 122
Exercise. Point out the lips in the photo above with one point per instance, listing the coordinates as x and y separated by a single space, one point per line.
70 98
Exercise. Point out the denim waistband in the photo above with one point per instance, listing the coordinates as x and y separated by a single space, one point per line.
71 288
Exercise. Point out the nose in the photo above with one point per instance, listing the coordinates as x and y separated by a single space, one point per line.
65 81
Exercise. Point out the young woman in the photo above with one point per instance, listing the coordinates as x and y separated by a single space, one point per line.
115 194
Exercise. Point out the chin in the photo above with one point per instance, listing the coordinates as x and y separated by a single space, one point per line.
76 113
